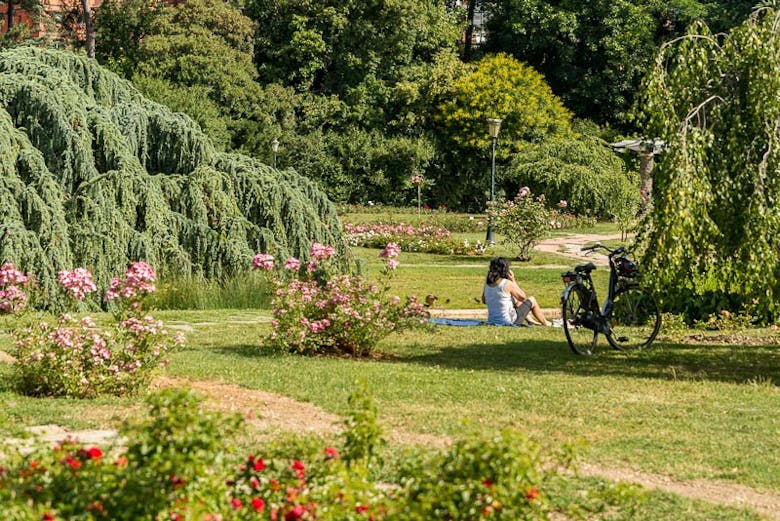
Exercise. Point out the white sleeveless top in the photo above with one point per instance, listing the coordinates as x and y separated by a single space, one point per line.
501 309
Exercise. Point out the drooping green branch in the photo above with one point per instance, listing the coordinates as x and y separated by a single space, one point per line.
93 174
712 239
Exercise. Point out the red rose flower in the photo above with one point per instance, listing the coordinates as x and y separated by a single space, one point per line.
48 517
331 453
361 508
488 483
236 503
72 462
258 504
532 494
295 513
259 465
94 453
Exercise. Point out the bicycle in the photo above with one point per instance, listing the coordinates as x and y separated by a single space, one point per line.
630 317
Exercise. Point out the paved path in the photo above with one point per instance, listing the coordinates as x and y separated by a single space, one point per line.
571 245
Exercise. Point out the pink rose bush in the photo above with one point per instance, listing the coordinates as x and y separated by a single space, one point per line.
320 311
78 358
77 283
13 284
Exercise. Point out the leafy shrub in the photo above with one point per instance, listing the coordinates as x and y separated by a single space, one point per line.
178 465
523 221
172 467
496 477
77 358
319 311
582 171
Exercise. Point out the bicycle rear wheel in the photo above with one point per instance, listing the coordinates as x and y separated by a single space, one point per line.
576 316
635 319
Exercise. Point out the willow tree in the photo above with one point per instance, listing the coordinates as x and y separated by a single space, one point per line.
714 234
93 174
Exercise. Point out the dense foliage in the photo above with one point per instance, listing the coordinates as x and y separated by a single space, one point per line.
712 239
594 54
497 87
94 174
581 170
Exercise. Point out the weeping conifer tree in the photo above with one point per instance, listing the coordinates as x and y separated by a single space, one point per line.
93 174
713 238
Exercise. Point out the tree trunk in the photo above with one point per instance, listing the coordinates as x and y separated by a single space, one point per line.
469 30
10 14
646 162
89 29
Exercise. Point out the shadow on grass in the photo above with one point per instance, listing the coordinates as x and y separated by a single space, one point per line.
722 363
667 361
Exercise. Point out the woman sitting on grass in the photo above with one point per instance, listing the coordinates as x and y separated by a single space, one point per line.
507 304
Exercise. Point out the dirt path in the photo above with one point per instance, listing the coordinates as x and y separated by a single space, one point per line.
272 412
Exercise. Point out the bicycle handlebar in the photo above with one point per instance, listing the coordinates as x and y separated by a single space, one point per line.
598 246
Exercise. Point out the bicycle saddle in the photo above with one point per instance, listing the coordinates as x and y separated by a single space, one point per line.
587 268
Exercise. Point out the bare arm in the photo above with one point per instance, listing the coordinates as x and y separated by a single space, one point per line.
518 295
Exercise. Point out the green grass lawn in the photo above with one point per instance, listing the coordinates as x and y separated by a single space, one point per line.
691 411
706 410
457 281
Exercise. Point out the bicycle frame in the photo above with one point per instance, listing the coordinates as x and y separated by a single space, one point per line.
601 317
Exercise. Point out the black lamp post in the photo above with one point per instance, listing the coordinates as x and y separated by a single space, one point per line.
275 148
494 126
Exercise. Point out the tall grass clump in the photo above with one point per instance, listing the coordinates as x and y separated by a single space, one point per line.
247 290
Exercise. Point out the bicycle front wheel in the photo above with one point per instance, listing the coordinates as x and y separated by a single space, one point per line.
578 321
635 319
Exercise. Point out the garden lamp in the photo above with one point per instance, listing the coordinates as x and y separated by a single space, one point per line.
494 126
275 148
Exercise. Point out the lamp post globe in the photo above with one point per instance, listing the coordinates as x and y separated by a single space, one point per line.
275 149
494 127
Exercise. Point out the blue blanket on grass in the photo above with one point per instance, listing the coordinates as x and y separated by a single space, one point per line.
441 321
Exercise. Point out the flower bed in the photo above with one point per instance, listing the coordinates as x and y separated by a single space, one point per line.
178 465
420 239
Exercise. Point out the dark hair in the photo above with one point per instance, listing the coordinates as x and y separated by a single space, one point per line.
499 269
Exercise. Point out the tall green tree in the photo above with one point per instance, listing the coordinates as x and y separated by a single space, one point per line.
121 25
594 54
333 46
714 232
497 87
208 43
